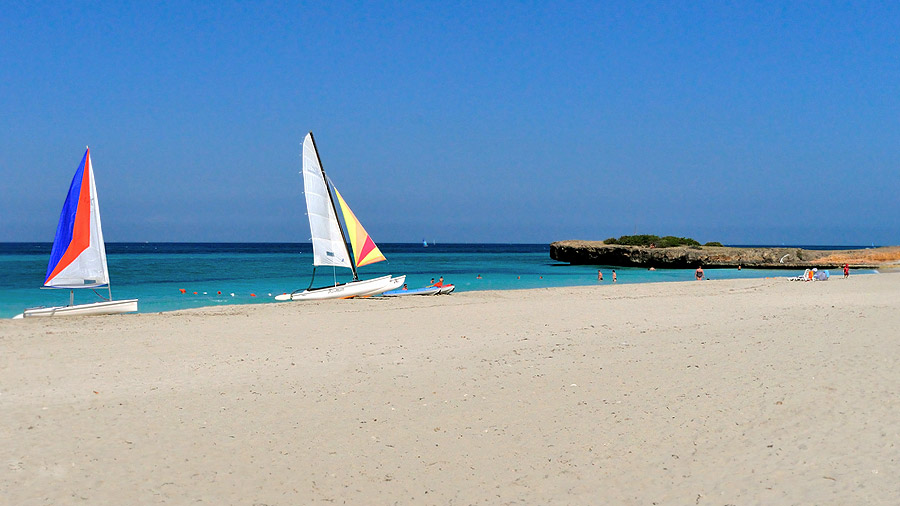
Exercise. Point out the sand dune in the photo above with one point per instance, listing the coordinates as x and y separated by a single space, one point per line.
716 392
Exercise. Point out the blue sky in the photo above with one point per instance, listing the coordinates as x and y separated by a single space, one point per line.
742 122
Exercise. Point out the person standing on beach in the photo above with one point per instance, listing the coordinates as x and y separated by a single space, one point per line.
699 273
614 275
599 275
846 271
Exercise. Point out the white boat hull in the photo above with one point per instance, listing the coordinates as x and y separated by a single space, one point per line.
392 285
445 289
351 289
95 308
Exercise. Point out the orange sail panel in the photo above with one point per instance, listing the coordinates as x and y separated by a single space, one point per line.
364 249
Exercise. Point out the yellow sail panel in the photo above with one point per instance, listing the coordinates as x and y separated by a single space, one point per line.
364 249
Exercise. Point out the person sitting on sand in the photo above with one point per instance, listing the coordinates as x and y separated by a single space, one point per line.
699 273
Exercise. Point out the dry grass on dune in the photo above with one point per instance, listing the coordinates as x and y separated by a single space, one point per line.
881 255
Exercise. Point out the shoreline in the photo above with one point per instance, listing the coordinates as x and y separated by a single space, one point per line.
750 390
589 280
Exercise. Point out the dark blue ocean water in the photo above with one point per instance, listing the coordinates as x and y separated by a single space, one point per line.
256 272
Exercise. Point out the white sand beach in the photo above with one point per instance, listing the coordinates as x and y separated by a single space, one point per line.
711 393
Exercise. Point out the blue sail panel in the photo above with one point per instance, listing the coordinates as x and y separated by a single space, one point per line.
66 226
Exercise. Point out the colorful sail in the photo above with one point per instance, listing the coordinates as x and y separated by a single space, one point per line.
78 257
364 249
328 243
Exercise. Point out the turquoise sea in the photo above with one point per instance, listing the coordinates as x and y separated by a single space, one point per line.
253 273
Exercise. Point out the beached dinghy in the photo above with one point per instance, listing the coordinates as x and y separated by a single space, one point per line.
427 290
328 239
78 257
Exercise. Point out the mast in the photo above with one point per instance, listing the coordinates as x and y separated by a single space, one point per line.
95 215
333 208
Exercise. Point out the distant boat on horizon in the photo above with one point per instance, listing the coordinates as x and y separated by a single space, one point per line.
424 243
78 256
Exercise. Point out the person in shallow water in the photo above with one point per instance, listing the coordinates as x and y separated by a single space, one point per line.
699 273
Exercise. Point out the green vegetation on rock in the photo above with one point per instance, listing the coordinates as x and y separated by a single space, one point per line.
654 240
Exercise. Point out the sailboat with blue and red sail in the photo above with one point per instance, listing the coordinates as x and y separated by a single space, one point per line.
78 256
329 241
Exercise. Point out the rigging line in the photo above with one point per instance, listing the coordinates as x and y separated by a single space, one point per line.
102 297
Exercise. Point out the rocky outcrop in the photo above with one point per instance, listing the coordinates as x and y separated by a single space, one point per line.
598 253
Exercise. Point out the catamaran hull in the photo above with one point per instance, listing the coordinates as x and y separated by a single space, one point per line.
392 285
96 308
351 289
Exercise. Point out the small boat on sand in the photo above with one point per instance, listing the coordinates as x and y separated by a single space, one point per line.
427 290
78 256
328 239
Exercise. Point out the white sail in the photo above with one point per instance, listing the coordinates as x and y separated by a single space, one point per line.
97 232
328 244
